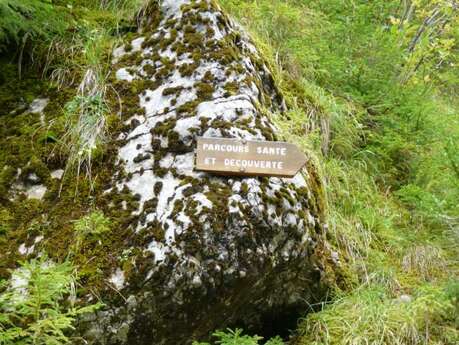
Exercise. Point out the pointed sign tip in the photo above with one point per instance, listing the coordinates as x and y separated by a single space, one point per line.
249 157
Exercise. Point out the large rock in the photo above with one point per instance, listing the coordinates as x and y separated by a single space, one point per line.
222 249
191 252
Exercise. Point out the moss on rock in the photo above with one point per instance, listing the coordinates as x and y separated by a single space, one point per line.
191 246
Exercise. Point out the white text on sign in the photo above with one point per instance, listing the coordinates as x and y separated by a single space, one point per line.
241 157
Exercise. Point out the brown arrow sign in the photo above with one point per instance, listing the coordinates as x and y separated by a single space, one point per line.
248 157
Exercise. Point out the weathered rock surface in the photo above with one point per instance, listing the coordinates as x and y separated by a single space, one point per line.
192 252
222 249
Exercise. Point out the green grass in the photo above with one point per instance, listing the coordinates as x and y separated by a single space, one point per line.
387 149
371 316
87 113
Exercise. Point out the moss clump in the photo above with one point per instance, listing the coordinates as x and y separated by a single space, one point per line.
7 175
163 73
151 42
175 143
179 48
210 32
158 187
141 157
188 108
178 206
231 88
195 6
187 69
204 90
37 167
222 124
193 189
163 128
192 38
244 188
128 47
208 77
150 205
172 91
149 69
170 22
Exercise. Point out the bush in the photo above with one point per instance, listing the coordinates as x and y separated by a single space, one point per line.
236 337
37 305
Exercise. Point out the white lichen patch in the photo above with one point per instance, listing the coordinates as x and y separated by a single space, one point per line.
172 8
37 106
202 201
141 185
31 192
57 174
24 250
19 284
36 192
159 250
136 45
117 279
124 74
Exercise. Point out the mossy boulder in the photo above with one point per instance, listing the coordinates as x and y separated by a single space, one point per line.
216 250
186 252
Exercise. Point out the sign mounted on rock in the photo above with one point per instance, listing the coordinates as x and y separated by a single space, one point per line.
248 157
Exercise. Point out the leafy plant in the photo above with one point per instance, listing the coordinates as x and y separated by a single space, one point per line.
37 305
236 337
29 19
92 226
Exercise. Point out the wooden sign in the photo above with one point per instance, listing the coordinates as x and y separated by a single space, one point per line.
248 158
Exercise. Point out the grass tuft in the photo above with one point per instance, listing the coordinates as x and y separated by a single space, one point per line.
371 316
86 114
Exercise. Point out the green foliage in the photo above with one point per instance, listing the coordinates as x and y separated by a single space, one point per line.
28 20
86 118
92 226
37 304
45 20
236 337
371 90
86 114
370 316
